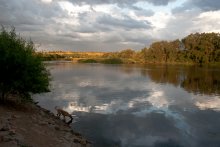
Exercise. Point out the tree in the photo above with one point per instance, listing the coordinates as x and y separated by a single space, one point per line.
22 70
162 51
128 53
202 48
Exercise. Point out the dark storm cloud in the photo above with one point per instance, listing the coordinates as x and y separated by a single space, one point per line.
204 5
42 22
127 22
25 12
160 2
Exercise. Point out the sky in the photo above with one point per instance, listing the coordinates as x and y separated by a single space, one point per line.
107 25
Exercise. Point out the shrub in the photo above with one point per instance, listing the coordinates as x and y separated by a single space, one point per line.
112 61
22 70
87 61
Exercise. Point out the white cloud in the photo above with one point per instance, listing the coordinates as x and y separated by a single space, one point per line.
160 22
208 21
108 25
204 103
46 1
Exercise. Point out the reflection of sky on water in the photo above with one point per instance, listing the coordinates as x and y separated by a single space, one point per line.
117 107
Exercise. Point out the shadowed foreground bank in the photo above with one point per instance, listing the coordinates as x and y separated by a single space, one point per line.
35 126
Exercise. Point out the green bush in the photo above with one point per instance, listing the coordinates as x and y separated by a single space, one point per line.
112 61
22 70
87 61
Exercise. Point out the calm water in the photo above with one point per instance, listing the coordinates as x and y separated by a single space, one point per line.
139 106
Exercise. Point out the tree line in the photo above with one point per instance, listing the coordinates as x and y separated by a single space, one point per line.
201 48
197 48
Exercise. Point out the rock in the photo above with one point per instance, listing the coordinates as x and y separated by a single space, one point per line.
83 142
12 132
5 128
43 123
7 139
42 113
36 103
66 130
51 122
14 116
77 134
9 144
33 117
1 139
76 141
57 128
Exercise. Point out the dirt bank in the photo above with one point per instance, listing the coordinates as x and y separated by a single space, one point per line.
32 126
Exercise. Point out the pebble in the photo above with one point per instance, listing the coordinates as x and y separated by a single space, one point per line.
7 139
12 132
1 139
14 116
42 113
57 128
76 140
5 128
43 123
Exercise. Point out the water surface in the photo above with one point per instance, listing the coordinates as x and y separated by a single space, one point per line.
130 106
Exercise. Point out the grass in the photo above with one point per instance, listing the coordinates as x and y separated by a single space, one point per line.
104 61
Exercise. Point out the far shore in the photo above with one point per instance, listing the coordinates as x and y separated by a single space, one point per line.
127 62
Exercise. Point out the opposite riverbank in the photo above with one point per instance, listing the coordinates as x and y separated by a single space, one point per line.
33 126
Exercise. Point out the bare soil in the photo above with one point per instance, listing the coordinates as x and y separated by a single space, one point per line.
33 126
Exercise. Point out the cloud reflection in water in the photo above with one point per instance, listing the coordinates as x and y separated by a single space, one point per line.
128 109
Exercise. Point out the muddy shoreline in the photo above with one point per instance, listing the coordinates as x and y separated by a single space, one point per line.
33 126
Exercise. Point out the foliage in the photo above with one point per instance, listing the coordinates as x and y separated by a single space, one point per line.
128 53
198 48
87 61
203 48
65 55
112 61
22 70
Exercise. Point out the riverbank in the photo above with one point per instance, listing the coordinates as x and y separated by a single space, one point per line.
33 126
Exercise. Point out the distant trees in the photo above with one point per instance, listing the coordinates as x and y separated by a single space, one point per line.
198 48
128 53
162 52
22 71
203 48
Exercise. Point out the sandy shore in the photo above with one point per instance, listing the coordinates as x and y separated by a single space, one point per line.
33 126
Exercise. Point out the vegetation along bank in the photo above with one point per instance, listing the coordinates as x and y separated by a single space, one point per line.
198 48
22 122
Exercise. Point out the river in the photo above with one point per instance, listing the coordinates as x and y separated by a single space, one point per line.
138 106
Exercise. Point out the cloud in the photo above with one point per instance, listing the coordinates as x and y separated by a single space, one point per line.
108 25
160 2
120 3
206 5
143 12
125 23
203 5
186 20
47 1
